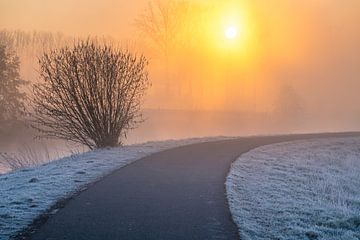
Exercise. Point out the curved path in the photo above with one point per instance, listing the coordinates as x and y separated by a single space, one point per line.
174 194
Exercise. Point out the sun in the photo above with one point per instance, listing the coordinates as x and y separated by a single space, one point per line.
231 32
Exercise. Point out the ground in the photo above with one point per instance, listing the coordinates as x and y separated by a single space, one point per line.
29 192
305 189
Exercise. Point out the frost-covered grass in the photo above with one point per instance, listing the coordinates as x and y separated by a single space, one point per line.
27 193
306 189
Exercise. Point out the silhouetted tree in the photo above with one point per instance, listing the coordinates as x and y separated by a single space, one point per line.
169 28
165 25
11 98
288 104
91 94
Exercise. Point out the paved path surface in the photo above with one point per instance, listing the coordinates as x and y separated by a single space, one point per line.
175 194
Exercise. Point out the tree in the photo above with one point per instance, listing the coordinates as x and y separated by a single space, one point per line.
11 98
177 33
288 104
169 28
164 24
91 94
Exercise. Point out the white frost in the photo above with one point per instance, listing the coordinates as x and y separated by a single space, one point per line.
25 194
307 189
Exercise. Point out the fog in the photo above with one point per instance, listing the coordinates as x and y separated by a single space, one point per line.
294 66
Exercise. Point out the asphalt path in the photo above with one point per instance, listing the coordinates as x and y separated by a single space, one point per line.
175 194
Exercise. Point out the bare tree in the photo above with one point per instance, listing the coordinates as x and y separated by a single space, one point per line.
288 104
11 97
91 94
169 28
164 24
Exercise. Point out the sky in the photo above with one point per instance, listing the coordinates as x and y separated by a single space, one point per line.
313 46
80 17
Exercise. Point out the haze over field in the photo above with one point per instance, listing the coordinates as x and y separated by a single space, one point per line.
291 65
89 86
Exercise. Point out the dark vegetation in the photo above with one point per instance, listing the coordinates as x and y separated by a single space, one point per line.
11 98
91 94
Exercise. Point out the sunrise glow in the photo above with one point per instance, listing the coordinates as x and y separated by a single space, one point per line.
155 107
231 32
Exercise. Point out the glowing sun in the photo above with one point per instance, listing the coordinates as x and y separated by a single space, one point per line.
231 32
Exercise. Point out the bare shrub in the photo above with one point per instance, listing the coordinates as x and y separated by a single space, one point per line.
90 94
38 153
26 156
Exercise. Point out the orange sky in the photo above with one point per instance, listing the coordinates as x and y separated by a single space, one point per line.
75 17
312 44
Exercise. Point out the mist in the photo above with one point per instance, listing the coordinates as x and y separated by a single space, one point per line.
293 68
